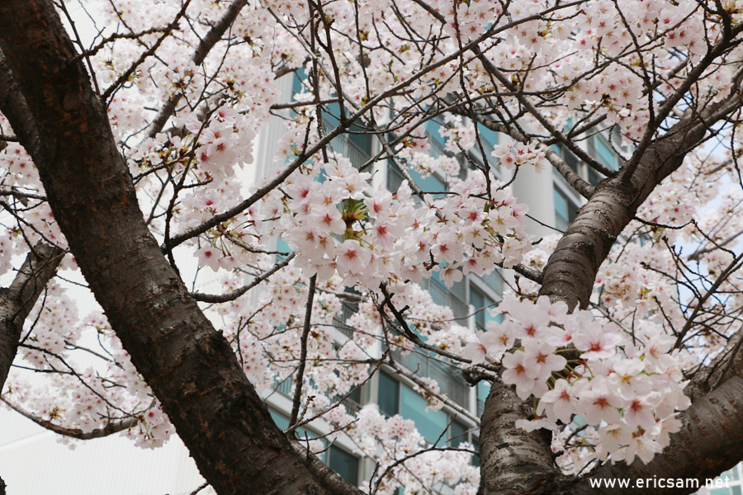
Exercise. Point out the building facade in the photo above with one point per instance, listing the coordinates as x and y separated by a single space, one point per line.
553 205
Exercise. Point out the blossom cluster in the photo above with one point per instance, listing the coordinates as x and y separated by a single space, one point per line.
628 389
391 439
333 227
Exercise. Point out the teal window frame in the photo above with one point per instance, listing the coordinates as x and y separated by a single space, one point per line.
604 152
347 465
395 397
479 299
565 210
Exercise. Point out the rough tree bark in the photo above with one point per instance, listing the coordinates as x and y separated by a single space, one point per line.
189 366
512 460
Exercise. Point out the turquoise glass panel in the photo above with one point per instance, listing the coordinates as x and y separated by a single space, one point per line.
389 394
430 424
344 463
606 154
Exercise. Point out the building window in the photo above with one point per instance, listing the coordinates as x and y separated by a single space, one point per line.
483 390
603 152
431 425
567 155
397 398
482 303
458 434
598 148
283 423
355 144
430 184
389 394
453 297
565 210
728 483
344 463
339 460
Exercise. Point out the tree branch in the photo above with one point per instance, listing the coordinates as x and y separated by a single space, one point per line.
207 43
17 300
110 429
303 352
190 367
231 296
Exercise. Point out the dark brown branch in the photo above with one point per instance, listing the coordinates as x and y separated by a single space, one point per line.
512 460
189 366
231 296
303 353
329 478
17 300
110 429
207 43
572 268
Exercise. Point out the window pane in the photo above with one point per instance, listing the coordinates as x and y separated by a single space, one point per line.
561 210
356 396
457 434
389 394
482 303
593 177
429 424
345 464
483 390
488 138
282 246
572 211
433 130
606 154
734 473
394 178
571 160
565 210
281 421
443 296
568 156
561 205
299 76
362 141
477 299
429 184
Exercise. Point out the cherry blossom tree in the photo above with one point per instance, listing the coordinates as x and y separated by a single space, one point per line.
121 149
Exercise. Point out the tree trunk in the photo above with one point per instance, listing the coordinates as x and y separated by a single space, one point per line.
512 460
190 367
